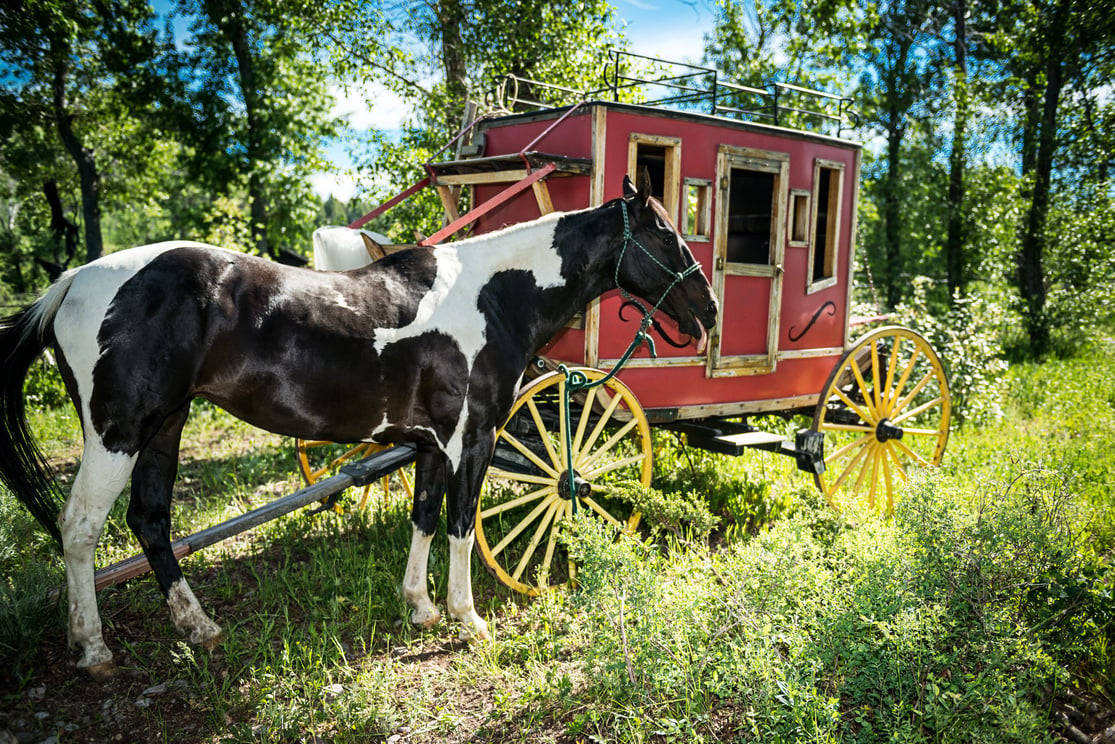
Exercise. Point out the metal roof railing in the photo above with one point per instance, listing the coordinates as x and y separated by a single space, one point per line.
650 81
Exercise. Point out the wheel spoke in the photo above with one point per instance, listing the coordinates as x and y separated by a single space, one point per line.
897 463
518 501
520 477
582 423
615 465
529 454
906 372
848 469
604 419
864 388
930 375
859 428
591 458
892 366
523 524
854 406
923 432
935 403
543 434
537 538
875 379
874 477
889 479
861 442
911 454
592 504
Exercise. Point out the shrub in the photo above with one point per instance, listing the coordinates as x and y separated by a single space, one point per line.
967 339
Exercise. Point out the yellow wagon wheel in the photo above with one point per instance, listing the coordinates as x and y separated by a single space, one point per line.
527 495
319 459
884 409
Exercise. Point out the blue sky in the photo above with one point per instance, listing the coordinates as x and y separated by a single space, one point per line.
669 29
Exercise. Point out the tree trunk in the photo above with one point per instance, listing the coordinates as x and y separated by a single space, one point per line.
88 175
1031 273
892 215
450 17
228 17
955 239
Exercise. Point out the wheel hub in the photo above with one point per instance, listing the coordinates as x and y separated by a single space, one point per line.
886 430
581 486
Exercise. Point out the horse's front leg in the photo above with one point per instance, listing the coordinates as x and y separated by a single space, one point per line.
463 500
98 483
429 489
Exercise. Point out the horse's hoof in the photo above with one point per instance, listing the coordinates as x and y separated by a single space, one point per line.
425 620
104 671
213 642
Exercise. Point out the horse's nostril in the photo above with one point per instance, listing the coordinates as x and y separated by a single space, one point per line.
711 308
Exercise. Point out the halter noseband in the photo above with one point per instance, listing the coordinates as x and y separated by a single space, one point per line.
678 276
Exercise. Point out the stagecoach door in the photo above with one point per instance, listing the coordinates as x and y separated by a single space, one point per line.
748 246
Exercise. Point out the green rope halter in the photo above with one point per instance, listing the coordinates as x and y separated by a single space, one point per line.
576 381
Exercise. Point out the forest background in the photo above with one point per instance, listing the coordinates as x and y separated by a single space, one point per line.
987 195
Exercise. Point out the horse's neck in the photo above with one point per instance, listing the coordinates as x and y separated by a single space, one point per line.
567 257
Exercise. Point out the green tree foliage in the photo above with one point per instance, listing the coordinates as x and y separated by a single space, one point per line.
79 78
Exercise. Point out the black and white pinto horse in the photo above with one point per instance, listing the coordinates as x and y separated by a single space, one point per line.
425 346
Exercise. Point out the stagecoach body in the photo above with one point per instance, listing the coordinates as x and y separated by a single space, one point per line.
769 212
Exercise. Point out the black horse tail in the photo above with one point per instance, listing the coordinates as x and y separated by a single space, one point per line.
23 468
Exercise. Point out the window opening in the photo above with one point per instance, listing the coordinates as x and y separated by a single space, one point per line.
826 223
799 218
751 203
661 157
698 208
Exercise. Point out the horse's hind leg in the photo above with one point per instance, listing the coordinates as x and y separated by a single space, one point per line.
149 518
429 488
99 481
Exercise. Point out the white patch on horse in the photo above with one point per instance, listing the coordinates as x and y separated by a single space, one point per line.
460 602
425 613
464 269
187 615
82 312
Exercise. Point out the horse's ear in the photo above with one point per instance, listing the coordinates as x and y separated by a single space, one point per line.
646 191
628 188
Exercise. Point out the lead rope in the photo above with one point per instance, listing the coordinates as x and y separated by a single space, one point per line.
576 381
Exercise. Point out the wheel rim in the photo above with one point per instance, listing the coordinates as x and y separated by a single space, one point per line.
319 459
885 409
526 495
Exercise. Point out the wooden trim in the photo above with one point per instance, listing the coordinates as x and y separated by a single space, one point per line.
472 179
777 163
704 209
596 198
542 196
831 255
794 216
850 275
831 351
671 176
643 362
756 406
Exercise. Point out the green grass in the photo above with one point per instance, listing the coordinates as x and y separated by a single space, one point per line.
972 615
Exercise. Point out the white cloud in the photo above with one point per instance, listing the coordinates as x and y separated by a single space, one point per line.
341 185
371 106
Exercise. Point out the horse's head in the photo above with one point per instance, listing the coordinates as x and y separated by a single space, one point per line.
656 264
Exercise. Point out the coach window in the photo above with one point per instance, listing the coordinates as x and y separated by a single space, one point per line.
828 186
661 157
698 208
799 218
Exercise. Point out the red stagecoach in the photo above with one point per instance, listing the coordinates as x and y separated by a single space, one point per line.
769 209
